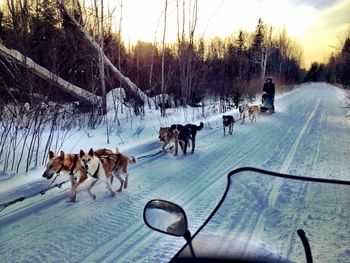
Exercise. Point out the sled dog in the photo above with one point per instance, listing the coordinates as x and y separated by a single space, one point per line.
228 121
185 134
103 167
166 135
179 134
243 111
254 111
69 163
171 134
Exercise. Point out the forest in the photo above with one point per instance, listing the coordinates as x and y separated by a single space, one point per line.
189 69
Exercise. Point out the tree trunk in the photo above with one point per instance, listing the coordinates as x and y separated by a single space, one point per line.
162 108
101 65
42 72
97 47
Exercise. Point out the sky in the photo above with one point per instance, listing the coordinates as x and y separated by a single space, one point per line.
318 26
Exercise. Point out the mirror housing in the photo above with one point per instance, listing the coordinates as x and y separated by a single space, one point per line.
166 217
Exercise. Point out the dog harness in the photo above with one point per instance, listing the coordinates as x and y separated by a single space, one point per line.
108 157
95 173
116 161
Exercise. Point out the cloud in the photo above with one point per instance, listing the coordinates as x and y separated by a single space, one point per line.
331 25
319 4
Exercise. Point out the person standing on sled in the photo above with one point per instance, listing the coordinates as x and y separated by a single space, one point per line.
269 91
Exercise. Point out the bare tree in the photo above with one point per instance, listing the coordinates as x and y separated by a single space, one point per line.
283 43
262 47
186 46
119 50
101 68
266 52
162 108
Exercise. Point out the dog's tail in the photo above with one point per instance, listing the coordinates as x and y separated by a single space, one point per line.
201 125
132 160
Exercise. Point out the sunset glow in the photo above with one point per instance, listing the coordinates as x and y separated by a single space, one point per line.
318 27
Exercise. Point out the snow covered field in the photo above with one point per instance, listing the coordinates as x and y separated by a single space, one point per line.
308 135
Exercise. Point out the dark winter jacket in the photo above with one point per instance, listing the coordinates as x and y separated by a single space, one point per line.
269 88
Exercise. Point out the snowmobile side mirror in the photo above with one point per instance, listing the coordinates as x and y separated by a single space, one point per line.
166 217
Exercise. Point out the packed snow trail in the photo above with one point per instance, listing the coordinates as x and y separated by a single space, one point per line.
308 135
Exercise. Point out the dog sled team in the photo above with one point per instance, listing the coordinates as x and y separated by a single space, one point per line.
104 164
100 164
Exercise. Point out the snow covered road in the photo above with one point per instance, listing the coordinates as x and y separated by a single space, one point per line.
308 135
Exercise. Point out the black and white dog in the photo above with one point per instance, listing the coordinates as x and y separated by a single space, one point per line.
185 133
228 121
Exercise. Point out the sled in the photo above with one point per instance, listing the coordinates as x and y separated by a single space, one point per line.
266 104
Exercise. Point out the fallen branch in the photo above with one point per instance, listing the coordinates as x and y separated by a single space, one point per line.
42 72
70 19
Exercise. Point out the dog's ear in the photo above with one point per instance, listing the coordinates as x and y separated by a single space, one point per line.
91 152
81 154
116 150
62 155
51 155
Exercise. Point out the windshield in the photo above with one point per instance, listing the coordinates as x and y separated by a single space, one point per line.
261 213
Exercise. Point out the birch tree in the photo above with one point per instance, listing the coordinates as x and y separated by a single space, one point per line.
101 68
262 47
186 45
91 41
162 108
45 74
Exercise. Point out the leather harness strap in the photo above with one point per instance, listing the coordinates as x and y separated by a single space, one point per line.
116 161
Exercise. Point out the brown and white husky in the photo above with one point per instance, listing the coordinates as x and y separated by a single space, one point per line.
104 167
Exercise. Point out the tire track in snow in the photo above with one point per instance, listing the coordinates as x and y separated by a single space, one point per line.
288 245
248 221
258 229
284 169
